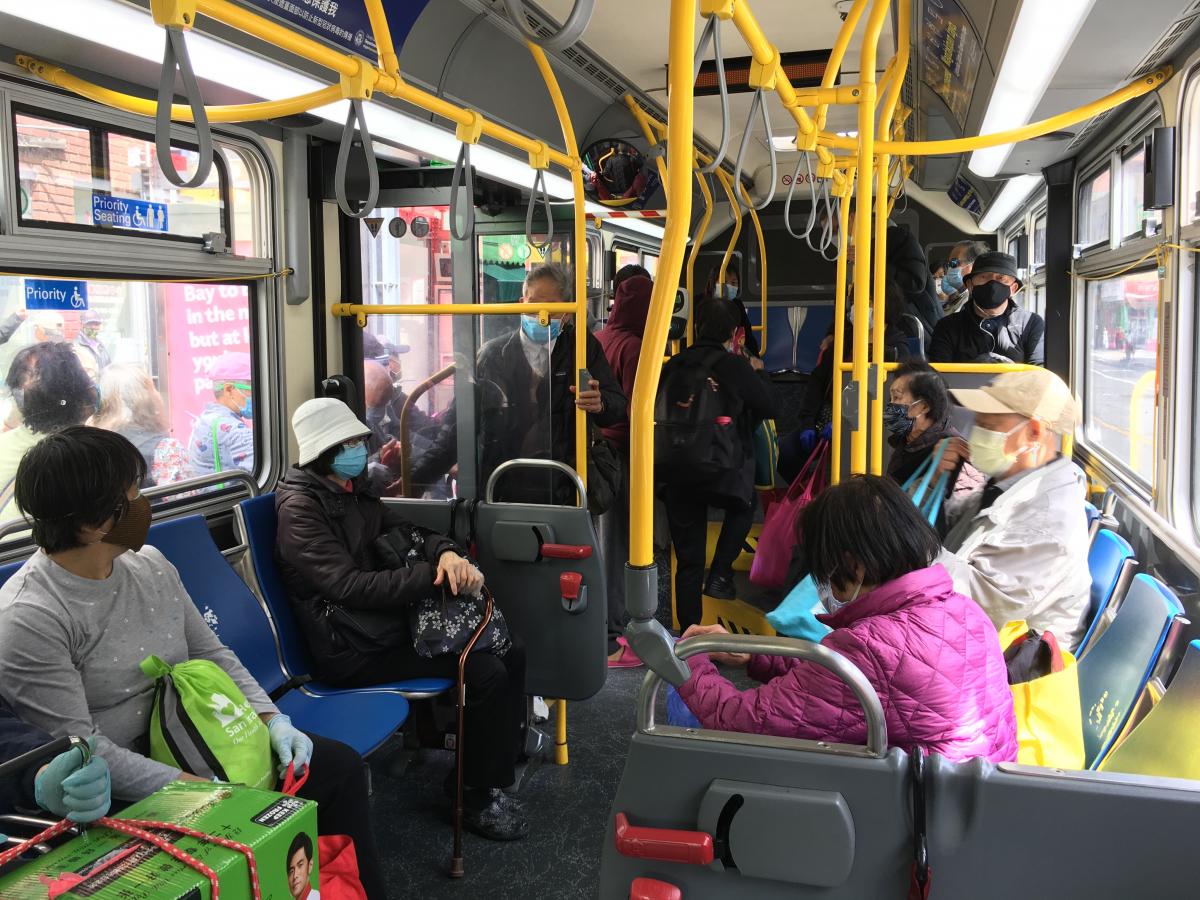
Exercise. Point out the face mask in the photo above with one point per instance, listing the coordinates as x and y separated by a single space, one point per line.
831 603
953 279
896 420
990 294
539 333
131 529
350 461
91 333
987 451
247 410
727 291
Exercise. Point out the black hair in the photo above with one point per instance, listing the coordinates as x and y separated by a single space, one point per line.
626 272
75 478
323 464
300 842
865 521
924 383
937 264
51 388
716 320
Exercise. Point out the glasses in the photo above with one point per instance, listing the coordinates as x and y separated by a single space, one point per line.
354 444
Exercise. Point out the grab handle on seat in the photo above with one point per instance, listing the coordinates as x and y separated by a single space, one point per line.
566 551
505 467
663 844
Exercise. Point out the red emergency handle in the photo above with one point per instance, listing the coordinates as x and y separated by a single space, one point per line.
566 551
663 844
570 583
653 889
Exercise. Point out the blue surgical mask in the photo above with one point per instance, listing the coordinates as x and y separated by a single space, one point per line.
539 333
247 410
350 461
952 280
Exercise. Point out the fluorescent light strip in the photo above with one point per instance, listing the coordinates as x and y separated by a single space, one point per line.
1040 39
1011 196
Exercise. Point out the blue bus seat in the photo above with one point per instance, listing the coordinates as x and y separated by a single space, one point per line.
255 520
364 720
1111 563
1093 518
9 570
786 349
1163 743
1122 660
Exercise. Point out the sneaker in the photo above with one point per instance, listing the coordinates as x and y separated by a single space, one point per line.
624 658
493 814
541 710
720 587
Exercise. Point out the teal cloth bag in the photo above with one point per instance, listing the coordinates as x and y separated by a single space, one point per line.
918 487
796 615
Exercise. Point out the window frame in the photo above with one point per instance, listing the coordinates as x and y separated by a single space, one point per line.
1090 176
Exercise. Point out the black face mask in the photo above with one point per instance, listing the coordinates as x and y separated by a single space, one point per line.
896 420
990 294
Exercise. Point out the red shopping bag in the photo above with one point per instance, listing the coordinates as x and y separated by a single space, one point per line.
337 862
773 555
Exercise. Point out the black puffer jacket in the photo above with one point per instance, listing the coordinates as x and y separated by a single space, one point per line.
964 337
326 557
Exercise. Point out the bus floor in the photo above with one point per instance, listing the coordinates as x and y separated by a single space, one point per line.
567 808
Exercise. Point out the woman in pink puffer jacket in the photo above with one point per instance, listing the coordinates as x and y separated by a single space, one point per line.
931 654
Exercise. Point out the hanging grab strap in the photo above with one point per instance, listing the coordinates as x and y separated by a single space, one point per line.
712 32
787 202
356 120
462 166
539 187
175 57
572 30
758 105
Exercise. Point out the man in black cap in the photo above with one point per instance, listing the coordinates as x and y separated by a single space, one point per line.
991 328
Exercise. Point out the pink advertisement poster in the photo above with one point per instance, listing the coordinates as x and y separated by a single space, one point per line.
203 321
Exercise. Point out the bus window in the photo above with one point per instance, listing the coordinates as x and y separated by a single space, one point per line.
1120 360
503 261
146 352
1093 208
1136 222
650 263
623 256
1039 241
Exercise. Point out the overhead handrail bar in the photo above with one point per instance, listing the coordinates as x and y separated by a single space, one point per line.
406 424
389 62
570 32
356 121
175 57
757 105
712 33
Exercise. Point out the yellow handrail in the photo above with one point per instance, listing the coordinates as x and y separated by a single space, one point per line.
762 271
344 310
726 181
697 243
839 325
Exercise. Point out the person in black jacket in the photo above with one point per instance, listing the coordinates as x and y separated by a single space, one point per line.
909 271
353 608
992 328
61 784
688 499
528 397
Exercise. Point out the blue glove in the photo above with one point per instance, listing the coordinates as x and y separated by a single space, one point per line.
70 789
290 745
808 439
827 432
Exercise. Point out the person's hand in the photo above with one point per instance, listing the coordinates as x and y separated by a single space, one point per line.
725 659
808 439
590 400
390 456
756 364
956 452
292 746
68 788
826 343
827 432
458 574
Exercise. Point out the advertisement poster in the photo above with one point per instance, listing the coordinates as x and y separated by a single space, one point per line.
950 55
344 23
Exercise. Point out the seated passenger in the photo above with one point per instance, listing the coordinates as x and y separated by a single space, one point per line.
329 521
954 292
1019 546
992 327
930 653
221 440
131 406
689 497
60 784
82 613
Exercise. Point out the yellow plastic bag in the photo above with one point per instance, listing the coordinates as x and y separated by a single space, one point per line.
1048 711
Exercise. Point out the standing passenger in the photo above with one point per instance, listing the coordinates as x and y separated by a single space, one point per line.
688 498
621 339
131 406
221 440
954 292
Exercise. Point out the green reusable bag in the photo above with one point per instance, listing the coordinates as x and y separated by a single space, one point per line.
203 724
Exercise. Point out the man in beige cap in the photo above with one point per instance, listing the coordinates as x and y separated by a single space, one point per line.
1019 547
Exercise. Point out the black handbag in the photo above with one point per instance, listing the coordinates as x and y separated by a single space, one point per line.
604 477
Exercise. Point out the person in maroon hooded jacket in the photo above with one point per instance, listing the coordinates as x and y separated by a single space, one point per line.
621 339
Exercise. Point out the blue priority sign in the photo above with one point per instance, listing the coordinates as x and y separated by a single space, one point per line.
122 212
50 293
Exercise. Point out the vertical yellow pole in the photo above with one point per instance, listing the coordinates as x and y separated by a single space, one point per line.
679 208
727 183
697 242
839 328
862 227
581 319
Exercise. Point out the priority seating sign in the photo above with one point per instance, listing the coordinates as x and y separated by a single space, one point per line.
51 293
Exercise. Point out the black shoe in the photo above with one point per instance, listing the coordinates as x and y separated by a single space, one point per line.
492 814
478 798
720 587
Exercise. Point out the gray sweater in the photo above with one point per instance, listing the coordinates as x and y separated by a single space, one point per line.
70 649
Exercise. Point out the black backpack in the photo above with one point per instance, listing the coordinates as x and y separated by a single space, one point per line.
696 420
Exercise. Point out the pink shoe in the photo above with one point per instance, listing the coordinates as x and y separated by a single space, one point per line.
624 658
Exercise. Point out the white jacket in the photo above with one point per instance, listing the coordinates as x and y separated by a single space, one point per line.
1025 556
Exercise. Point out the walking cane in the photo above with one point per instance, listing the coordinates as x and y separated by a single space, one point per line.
456 863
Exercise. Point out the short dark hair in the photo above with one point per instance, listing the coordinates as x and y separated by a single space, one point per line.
865 521
75 478
51 387
716 320
301 842
323 464
924 383
626 272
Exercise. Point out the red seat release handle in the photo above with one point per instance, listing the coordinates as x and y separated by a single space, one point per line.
566 551
663 844
653 889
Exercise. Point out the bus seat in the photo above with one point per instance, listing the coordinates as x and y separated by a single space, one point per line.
1111 563
1163 743
255 521
362 719
1093 518
9 570
1121 661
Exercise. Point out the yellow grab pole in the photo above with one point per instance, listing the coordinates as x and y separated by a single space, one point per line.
697 242
644 121
670 262
838 53
762 262
727 183
839 328
388 61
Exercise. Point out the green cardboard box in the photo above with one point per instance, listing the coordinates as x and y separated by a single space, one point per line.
267 822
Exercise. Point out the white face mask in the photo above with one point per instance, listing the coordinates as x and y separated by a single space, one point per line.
831 603
987 450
